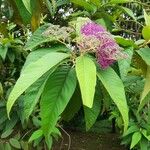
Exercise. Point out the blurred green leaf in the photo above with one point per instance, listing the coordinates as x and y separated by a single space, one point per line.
62 2
36 8
1 90
3 51
7 146
143 144
38 38
51 5
3 29
136 137
146 32
145 54
145 95
23 12
125 64
147 18
144 101
132 129
24 145
129 12
49 142
96 2
6 133
35 135
15 143
56 133
124 41
27 4
83 3
120 1
144 132
2 146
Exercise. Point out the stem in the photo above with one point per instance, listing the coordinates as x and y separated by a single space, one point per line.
69 142
145 43
140 3
129 31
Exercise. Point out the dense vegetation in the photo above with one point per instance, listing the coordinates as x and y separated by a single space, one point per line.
60 56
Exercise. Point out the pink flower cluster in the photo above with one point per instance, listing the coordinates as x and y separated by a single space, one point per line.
108 51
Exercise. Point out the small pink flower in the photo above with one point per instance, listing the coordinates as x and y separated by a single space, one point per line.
91 28
108 51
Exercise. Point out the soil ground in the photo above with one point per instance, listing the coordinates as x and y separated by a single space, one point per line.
90 141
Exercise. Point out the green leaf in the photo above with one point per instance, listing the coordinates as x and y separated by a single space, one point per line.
146 32
146 91
24 145
136 137
115 88
91 114
35 135
49 142
120 1
124 42
132 129
107 101
62 2
50 7
36 9
2 146
144 132
39 53
83 3
145 54
7 146
144 144
56 133
3 51
37 142
124 64
147 18
23 12
3 117
10 124
73 106
96 2
32 73
6 133
129 12
144 100
1 90
38 38
27 5
56 95
33 94
15 143
102 22
86 74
